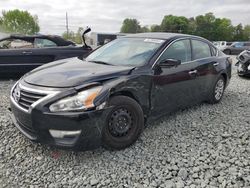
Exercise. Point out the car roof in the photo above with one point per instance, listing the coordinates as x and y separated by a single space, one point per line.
57 39
158 35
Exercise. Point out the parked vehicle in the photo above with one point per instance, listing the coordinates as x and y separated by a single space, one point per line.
236 48
243 63
106 98
21 54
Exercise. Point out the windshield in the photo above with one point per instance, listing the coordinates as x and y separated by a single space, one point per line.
126 51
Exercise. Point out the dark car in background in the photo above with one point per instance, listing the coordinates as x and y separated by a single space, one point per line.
106 98
21 54
236 48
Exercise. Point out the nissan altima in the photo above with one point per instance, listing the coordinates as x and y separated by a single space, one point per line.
106 98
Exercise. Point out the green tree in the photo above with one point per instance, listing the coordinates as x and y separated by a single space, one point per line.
130 26
177 24
69 35
239 33
222 30
205 26
191 26
144 29
17 21
247 32
155 28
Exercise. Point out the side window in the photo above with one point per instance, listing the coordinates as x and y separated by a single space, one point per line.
43 43
180 50
200 49
238 45
15 44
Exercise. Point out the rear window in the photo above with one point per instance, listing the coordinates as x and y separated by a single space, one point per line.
200 49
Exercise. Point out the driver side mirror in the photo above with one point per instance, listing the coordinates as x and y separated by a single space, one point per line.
169 63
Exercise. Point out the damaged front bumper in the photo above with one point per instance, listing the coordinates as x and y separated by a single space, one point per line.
243 68
75 130
243 63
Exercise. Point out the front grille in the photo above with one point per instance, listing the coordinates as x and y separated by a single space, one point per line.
26 98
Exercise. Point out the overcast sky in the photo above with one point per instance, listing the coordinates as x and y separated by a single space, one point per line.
107 15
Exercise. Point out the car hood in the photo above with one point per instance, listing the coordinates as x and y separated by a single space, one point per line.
73 72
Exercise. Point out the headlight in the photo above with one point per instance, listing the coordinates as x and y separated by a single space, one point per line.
82 101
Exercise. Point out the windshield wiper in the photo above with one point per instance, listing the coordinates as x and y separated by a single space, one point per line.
100 62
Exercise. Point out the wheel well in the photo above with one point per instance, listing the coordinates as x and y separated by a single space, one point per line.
125 93
224 76
129 94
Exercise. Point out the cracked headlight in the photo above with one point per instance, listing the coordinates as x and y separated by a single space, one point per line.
82 101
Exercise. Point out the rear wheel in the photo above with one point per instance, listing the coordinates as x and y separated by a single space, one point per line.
228 52
124 123
218 91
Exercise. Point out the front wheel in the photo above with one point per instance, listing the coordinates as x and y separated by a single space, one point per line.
218 91
124 123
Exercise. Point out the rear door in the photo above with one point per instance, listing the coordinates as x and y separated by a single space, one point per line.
46 51
207 62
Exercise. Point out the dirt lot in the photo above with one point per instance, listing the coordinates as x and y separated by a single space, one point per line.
207 145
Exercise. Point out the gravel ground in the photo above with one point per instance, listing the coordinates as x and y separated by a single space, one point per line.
203 146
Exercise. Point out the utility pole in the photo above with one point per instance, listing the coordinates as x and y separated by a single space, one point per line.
67 25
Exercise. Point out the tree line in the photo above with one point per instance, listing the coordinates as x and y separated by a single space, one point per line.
19 22
207 26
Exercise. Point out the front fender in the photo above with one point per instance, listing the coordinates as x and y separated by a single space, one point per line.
136 86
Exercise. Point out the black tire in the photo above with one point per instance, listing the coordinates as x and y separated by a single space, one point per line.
214 95
124 123
240 75
228 52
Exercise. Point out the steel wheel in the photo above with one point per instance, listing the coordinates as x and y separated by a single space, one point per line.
120 122
123 123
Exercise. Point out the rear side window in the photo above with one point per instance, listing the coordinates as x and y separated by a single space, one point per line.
200 49
179 50
43 43
238 45
15 44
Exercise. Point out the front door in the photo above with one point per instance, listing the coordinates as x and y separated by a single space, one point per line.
175 87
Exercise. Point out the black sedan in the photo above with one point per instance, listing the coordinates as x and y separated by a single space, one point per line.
106 98
20 54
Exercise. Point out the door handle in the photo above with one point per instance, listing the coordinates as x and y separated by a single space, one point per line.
216 64
27 52
192 72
